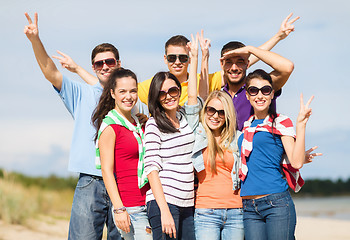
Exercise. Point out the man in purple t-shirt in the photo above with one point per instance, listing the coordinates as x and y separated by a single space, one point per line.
234 63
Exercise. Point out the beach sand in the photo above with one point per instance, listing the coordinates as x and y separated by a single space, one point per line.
322 229
55 229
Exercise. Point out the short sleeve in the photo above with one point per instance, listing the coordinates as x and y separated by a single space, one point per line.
215 81
70 94
143 89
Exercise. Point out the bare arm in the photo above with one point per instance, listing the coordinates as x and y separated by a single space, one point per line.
285 29
107 145
203 88
46 64
168 224
282 67
192 83
295 149
68 63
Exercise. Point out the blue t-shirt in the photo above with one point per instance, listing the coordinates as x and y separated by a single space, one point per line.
81 100
264 164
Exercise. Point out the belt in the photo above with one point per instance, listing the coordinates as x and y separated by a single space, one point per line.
92 176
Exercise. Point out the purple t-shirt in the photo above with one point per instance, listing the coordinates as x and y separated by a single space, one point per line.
243 108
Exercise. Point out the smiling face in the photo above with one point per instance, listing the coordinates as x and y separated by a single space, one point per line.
178 68
215 122
125 94
103 73
234 69
260 102
169 103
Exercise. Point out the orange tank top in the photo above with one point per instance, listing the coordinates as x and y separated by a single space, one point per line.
215 190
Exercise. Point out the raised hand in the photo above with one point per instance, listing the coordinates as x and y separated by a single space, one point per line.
193 46
287 26
305 111
205 44
243 52
31 30
66 62
309 156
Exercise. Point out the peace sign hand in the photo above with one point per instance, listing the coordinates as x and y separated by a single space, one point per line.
66 62
205 45
305 111
193 46
309 155
31 30
287 26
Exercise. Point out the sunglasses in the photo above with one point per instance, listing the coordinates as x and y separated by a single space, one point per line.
172 58
110 62
173 92
211 112
265 90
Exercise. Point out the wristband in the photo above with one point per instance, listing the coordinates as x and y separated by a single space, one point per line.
119 210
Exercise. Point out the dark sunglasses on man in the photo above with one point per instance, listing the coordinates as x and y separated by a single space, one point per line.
265 90
173 92
110 62
183 58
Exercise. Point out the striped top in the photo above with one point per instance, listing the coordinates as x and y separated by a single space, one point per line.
170 155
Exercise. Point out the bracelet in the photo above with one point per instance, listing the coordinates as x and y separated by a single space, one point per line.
119 210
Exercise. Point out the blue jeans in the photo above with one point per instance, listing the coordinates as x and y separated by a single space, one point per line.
183 218
91 210
224 224
270 217
139 224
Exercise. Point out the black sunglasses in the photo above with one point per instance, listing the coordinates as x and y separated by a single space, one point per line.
211 112
172 58
265 90
173 92
110 62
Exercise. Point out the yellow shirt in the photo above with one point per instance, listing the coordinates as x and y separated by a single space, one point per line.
214 84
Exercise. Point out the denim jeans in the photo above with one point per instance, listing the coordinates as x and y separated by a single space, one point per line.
139 224
91 210
216 224
183 218
270 217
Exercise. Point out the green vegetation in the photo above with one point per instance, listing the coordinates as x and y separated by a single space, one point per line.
23 197
321 188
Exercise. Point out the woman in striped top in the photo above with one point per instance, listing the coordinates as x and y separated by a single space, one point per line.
169 142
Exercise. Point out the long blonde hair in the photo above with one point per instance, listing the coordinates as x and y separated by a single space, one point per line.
228 130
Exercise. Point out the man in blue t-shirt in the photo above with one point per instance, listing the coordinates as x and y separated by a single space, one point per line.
91 208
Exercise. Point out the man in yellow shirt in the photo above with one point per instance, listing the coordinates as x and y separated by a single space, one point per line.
177 59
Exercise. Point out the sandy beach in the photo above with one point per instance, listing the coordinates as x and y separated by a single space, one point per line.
54 229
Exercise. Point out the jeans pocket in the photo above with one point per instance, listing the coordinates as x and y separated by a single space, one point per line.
281 202
84 181
204 211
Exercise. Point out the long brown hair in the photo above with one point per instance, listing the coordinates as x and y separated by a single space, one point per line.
106 102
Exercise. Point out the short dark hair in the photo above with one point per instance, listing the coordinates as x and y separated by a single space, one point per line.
154 106
178 40
231 46
104 47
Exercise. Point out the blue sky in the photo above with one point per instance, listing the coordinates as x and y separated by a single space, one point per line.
37 128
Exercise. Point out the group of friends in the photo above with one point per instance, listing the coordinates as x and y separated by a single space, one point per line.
141 148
